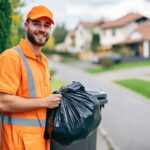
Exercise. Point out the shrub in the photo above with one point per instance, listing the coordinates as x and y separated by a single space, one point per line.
107 62
125 51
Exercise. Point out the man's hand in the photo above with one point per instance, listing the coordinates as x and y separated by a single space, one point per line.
53 100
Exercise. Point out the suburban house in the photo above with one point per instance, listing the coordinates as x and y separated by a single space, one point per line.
81 38
117 31
130 33
139 40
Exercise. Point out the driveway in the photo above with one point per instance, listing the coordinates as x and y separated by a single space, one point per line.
125 118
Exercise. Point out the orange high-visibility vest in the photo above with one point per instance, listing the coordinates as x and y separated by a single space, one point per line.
24 130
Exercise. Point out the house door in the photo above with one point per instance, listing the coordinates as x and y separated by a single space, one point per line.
135 49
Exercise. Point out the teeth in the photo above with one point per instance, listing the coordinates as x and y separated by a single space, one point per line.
40 35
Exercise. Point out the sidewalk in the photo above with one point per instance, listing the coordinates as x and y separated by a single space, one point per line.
102 143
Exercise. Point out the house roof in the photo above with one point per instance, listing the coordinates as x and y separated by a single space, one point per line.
131 41
90 24
144 31
121 21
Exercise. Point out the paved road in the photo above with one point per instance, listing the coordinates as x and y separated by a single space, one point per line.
125 117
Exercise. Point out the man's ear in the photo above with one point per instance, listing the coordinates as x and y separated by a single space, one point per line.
26 24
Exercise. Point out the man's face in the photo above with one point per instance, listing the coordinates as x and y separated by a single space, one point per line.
38 31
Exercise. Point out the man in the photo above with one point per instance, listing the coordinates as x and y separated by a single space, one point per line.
24 86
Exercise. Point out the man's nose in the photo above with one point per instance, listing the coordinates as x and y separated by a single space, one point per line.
42 28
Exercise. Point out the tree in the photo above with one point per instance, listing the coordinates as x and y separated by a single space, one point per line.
60 33
17 30
95 41
5 24
10 23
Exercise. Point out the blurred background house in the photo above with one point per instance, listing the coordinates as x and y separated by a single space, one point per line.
116 31
127 35
81 38
139 40
115 34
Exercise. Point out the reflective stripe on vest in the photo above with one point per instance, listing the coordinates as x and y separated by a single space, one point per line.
23 122
32 94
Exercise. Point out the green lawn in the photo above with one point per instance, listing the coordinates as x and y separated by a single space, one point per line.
99 69
140 86
65 59
56 84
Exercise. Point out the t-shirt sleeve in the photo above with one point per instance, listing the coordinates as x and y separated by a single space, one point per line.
9 73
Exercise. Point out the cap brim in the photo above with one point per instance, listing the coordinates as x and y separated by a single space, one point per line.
39 16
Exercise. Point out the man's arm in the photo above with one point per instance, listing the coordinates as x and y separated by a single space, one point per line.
12 103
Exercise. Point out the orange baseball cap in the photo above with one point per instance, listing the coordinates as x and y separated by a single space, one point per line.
40 11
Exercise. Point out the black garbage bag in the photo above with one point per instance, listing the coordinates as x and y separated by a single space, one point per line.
77 116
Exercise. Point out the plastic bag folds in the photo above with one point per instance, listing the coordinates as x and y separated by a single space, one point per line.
77 116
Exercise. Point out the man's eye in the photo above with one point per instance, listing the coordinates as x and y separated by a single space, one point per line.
36 24
47 26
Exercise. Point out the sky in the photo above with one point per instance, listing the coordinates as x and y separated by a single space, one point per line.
71 12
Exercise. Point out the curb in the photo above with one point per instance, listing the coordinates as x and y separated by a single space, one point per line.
107 138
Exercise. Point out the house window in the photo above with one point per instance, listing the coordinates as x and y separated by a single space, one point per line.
113 32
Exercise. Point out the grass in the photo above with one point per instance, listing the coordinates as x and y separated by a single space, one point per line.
100 69
140 86
97 69
56 84
69 60
65 58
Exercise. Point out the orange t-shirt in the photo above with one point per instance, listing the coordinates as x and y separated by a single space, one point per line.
13 80
13 75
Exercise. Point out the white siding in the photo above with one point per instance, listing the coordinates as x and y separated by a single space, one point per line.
120 34
146 51
83 38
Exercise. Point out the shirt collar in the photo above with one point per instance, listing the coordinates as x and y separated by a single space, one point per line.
28 51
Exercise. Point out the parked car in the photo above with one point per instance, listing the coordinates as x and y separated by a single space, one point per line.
114 56
95 60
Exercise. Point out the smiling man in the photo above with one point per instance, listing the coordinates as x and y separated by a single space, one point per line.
24 86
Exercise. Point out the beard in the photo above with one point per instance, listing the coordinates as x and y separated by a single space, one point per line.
32 38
